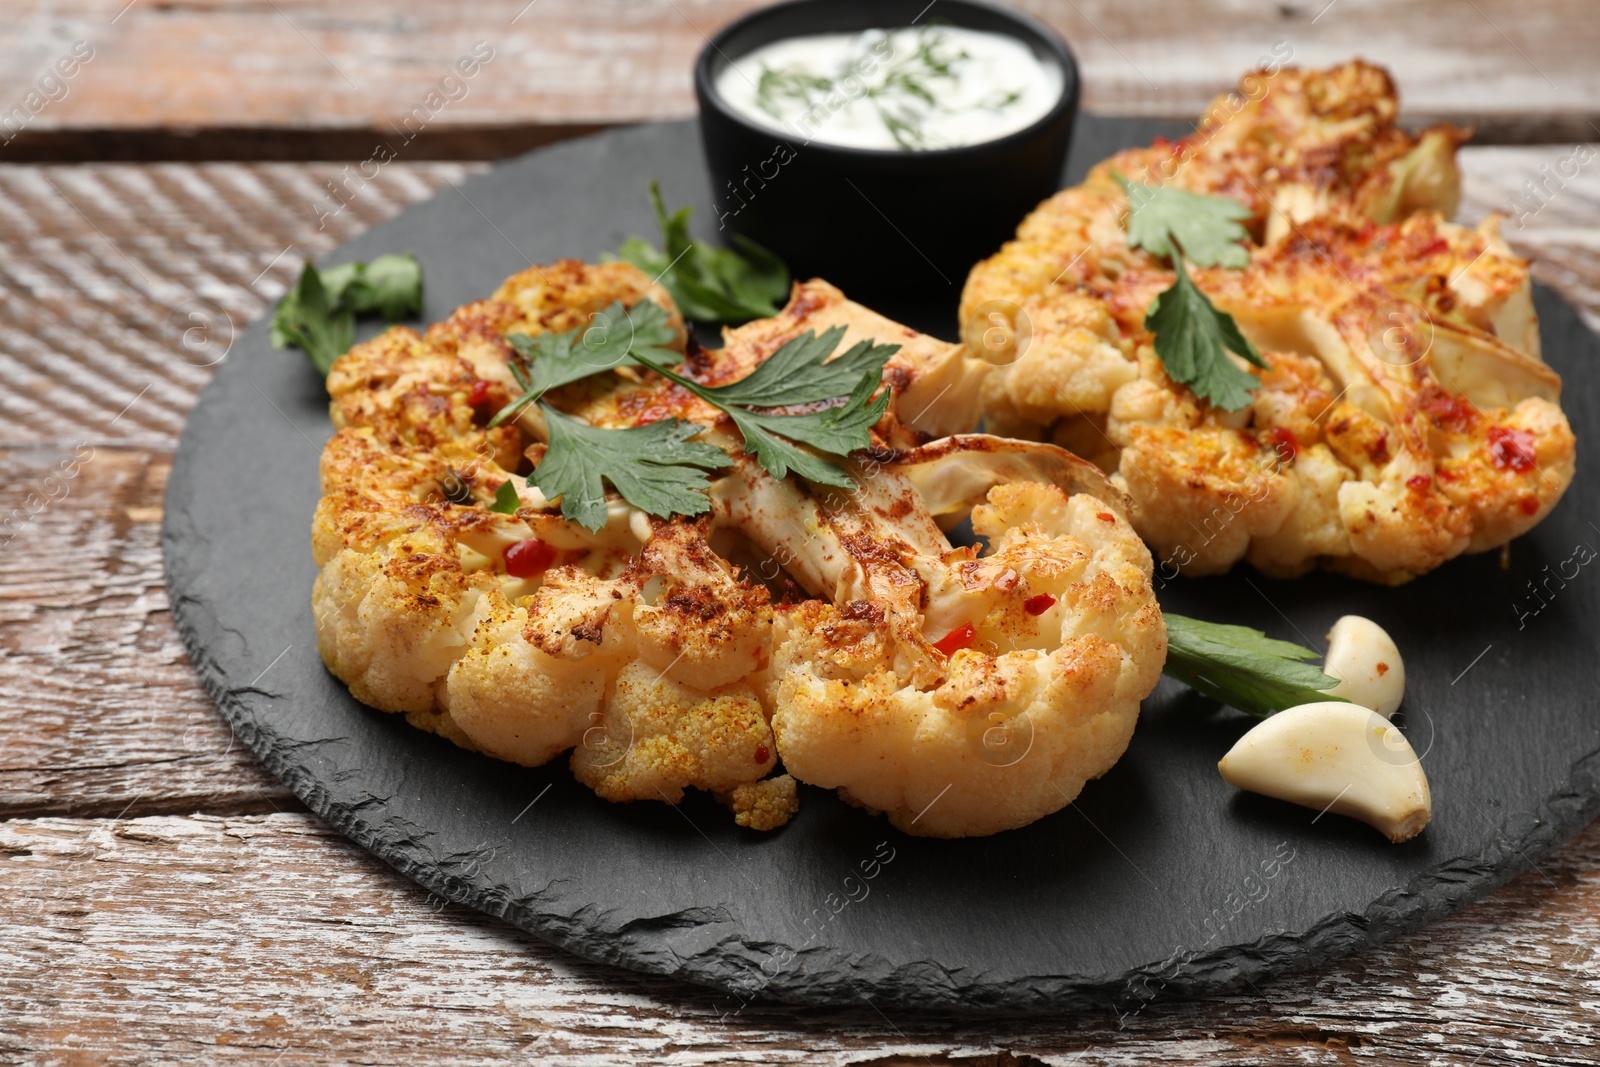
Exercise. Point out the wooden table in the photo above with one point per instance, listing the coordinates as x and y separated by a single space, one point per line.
165 899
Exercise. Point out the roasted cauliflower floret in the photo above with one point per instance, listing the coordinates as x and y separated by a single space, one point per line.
1374 314
389 622
660 736
524 636
958 692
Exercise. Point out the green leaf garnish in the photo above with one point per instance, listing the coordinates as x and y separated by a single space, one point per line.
1243 668
390 286
656 470
656 467
614 336
307 319
800 374
709 284
506 500
318 314
1192 337
1206 228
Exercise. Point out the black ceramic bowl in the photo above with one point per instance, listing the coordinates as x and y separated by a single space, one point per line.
885 226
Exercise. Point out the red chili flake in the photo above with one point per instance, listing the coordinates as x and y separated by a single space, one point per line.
1438 244
1283 442
1419 481
1511 449
1105 516
957 639
1452 413
1038 605
1383 668
1159 142
1380 449
529 559
762 754
480 393
1445 474
1528 505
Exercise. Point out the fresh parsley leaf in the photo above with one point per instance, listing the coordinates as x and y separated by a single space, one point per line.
1193 340
709 284
1192 337
1206 228
800 374
655 467
506 500
318 314
612 339
839 430
1243 668
390 286
307 319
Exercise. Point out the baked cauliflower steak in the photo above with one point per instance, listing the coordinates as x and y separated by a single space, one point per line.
1405 416
839 634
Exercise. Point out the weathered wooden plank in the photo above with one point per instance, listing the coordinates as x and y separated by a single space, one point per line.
230 79
105 715
120 286
268 937
100 271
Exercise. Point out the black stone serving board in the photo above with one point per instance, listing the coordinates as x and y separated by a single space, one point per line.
1160 880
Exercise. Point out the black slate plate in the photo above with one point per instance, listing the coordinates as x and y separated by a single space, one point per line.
1159 880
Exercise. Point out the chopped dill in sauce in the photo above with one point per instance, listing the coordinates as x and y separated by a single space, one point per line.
916 88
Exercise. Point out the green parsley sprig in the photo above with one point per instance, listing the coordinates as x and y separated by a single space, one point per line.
1243 668
658 468
1192 337
708 283
318 315
614 338
800 375
654 467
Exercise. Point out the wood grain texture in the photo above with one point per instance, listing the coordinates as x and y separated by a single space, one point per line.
269 938
100 271
242 79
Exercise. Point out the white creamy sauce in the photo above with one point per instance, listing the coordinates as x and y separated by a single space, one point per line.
916 88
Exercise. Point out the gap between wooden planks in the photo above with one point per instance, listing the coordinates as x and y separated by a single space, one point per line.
309 79
108 724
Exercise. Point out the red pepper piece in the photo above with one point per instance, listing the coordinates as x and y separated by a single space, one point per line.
957 639
1511 450
529 559
1283 442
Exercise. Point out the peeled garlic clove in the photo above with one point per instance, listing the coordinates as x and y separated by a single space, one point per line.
1338 757
1365 660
